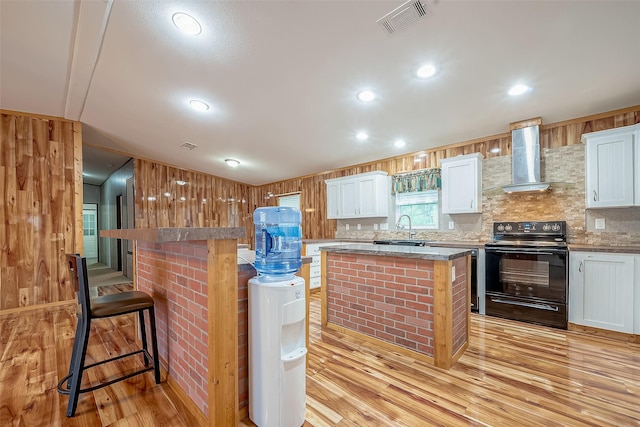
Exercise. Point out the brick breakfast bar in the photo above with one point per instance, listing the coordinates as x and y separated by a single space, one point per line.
404 298
193 276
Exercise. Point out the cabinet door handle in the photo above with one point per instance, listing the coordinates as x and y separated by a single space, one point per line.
471 204
580 267
595 196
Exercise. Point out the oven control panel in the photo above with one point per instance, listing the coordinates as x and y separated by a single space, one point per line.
530 227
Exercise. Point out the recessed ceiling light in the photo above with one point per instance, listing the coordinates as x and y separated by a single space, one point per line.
519 89
495 150
366 96
426 71
151 198
232 163
181 182
186 23
199 105
399 143
362 135
167 194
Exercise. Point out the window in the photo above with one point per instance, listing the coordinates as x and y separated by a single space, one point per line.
422 208
290 200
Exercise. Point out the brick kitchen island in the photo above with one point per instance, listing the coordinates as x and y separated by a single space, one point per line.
413 300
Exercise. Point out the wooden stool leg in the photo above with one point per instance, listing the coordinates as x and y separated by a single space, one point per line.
154 344
143 336
77 367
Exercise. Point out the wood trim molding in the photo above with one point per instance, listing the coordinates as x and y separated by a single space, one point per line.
36 116
323 289
606 114
222 287
185 406
305 271
442 314
615 335
525 123
78 193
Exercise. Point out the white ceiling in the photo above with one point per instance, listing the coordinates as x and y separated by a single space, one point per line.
281 76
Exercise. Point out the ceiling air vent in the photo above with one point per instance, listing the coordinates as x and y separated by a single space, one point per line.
188 146
403 16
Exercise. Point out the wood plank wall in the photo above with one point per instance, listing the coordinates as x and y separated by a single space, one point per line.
204 200
40 207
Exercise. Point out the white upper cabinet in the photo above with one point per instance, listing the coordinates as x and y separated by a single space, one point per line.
610 170
333 200
358 196
462 184
601 291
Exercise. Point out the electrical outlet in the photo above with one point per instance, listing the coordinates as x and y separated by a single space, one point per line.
346 227
358 227
375 227
384 226
452 225
599 223
453 273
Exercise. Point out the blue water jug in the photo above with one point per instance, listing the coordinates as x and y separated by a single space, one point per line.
278 241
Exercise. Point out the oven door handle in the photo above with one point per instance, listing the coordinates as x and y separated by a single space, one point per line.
524 251
525 304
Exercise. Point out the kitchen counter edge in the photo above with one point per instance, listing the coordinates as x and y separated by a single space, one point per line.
175 234
611 249
415 252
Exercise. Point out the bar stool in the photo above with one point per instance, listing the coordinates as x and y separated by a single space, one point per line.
98 308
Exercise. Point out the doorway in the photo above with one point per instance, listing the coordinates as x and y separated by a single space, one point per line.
90 231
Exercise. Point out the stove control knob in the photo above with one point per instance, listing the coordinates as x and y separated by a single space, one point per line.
500 227
555 227
508 227
546 227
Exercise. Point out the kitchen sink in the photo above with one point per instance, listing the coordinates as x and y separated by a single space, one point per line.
403 242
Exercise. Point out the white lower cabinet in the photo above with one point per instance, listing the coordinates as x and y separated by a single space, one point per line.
602 291
315 269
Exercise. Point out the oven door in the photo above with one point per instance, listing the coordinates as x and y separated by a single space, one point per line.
527 272
526 284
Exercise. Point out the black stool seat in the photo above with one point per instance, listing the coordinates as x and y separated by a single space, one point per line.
99 308
120 303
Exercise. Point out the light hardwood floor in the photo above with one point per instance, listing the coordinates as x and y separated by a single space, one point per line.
512 374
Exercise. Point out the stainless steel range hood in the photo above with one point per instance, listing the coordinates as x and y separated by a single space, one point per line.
525 161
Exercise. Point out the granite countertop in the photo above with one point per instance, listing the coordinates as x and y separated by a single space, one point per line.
312 241
436 243
416 252
175 234
611 249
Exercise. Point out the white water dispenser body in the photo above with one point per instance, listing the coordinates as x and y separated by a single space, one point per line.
277 352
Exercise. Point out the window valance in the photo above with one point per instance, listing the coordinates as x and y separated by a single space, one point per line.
421 180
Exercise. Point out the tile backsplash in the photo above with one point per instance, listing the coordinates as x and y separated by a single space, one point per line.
563 167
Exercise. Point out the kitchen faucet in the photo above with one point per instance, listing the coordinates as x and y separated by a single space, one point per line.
411 232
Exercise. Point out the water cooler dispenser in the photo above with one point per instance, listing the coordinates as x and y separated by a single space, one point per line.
277 309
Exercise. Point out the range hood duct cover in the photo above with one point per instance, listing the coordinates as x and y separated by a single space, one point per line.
525 161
